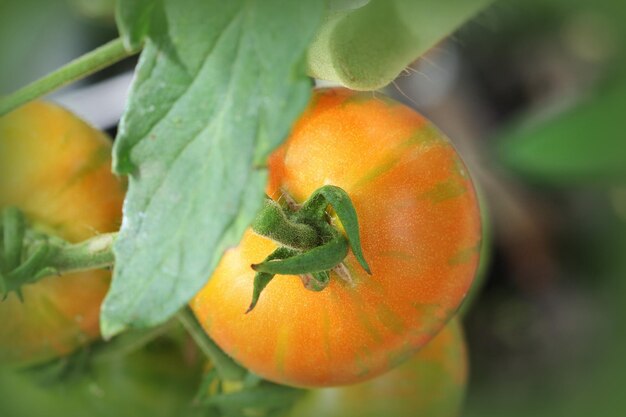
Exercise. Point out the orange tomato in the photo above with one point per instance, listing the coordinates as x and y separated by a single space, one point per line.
57 170
420 230
431 384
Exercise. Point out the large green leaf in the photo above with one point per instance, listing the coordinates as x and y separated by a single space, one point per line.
366 47
135 20
217 88
584 144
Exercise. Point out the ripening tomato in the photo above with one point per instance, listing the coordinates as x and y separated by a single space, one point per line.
431 384
420 233
57 170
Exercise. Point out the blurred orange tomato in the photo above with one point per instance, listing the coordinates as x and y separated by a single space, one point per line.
57 170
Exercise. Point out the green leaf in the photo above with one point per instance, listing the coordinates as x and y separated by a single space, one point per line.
583 144
134 19
261 279
215 91
336 5
266 395
366 48
320 258
340 201
157 380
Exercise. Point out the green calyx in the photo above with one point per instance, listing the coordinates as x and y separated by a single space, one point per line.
310 245
27 255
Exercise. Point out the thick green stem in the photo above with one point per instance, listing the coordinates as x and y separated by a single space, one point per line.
27 255
81 67
93 253
311 245
225 365
13 233
272 222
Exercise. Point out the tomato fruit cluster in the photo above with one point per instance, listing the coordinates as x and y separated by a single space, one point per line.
420 231
57 170
419 228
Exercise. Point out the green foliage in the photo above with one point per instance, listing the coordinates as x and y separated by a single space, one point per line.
265 399
217 88
135 21
338 199
365 48
225 366
585 143
157 380
325 247
27 255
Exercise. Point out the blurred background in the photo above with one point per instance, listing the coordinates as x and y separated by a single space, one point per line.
532 93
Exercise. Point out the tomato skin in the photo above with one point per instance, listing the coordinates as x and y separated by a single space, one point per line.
431 384
56 169
420 230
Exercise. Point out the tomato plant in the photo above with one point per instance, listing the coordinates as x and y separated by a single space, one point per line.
336 259
333 257
432 383
420 232
159 379
56 169
349 50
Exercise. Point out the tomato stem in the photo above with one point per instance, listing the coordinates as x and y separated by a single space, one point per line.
312 245
91 62
338 199
28 255
272 222
94 253
13 234
225 365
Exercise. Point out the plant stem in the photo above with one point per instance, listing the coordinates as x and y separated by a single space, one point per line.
28 255
225 365
94 253
13 229
272 222
81 67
